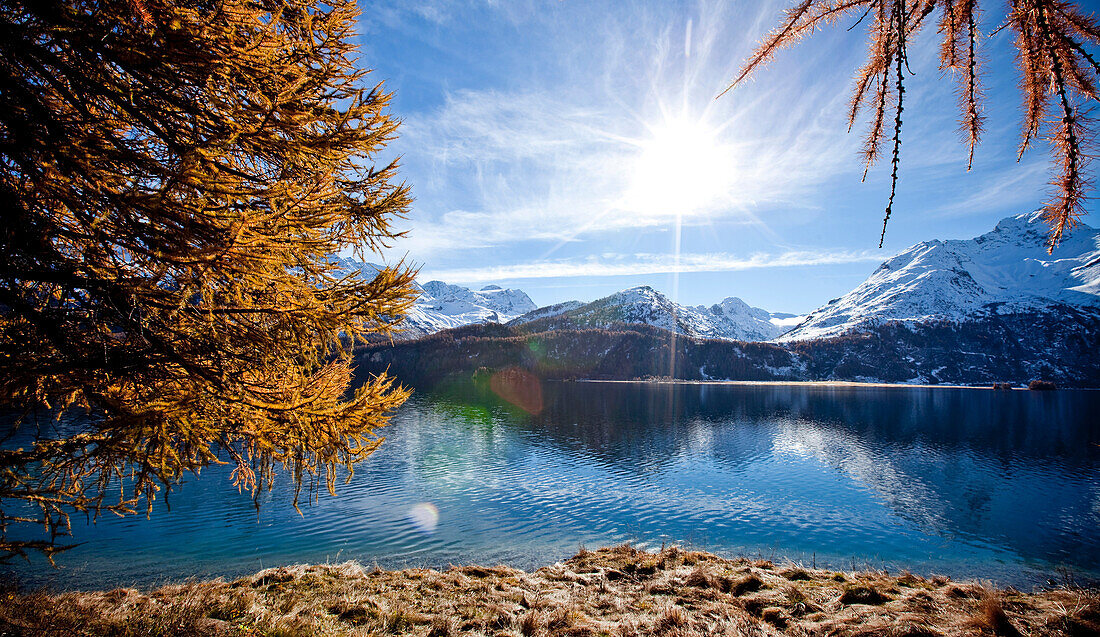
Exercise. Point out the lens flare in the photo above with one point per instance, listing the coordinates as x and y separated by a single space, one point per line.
519 387
424 516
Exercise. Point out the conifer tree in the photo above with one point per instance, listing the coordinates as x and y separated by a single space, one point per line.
175 176
1058 77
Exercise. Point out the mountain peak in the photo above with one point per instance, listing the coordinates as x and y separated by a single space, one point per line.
732 319
1031 228
443 306
1015 222
1006 270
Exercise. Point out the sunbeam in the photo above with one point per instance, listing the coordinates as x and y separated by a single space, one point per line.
681 168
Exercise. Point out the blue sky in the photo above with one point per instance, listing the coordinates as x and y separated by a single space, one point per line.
574 148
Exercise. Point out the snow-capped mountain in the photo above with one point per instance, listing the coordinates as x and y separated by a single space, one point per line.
993 309
732 319
743 322
1004 272
443 306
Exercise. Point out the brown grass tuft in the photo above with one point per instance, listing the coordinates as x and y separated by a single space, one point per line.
911 629
795 573
794 594
530 623
444 627
991 615
956 591
359 615
499 618
862 595
701 578
746 584
644 567
627 629
625 549
561 618
398 621
672 617
482 572
900 629
774 616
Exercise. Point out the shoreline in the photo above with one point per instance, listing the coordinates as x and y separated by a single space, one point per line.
618 591
816 383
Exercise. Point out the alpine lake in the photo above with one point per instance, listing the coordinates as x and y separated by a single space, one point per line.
965 482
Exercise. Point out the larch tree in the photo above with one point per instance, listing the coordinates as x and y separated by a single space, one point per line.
175 178
1058 78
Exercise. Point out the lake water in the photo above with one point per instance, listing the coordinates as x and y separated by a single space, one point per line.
964 482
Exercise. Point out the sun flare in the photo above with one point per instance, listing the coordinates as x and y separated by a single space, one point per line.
681 168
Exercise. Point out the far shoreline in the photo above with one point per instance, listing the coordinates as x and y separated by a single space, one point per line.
811 383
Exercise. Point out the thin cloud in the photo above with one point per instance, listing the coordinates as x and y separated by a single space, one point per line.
639 264
1013 188
529 167
559 162
555 159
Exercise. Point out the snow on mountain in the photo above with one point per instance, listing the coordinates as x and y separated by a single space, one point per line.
443 306
1005 271
732 319
738 321
785 320
548 311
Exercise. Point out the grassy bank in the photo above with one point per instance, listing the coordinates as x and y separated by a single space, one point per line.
618 591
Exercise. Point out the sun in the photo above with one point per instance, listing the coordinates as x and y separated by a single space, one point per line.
681 168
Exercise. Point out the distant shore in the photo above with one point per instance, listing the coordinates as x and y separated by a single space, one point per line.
800 383
619 591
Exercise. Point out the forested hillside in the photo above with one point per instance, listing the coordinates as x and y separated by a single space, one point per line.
1060 347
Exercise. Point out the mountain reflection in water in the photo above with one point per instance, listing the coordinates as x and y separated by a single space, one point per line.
970 483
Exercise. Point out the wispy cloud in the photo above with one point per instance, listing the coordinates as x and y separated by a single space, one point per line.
1012 189
554 162
529 167
640 264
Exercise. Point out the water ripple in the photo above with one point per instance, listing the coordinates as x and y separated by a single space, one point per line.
957 482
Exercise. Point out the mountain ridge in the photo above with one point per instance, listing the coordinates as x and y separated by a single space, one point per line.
731 319
441 306
1004 271
978 311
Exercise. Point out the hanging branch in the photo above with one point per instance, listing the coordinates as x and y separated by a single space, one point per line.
971 124
1056 66
1062 213
797 23
873 142
899 18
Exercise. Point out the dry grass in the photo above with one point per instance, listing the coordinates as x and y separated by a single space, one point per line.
618 591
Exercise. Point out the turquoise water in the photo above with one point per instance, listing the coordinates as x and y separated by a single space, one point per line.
969 483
